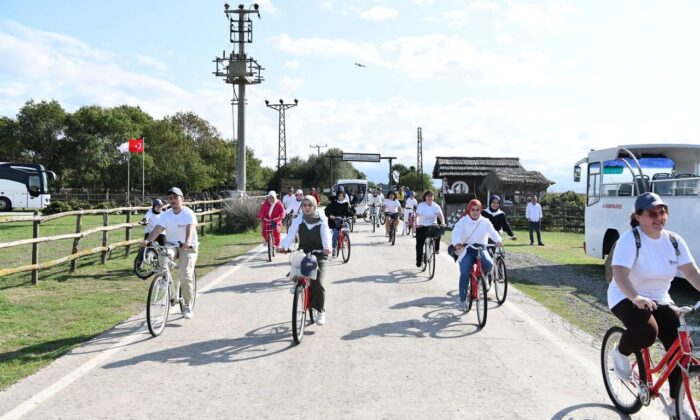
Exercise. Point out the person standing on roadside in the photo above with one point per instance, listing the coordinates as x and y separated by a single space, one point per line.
180 223
533 214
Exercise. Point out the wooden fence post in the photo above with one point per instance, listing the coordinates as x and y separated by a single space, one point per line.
128 232
105 235
76 241
35 249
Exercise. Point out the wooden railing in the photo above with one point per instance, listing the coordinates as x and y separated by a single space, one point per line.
203 210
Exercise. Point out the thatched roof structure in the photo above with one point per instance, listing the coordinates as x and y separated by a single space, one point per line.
509 180
472 166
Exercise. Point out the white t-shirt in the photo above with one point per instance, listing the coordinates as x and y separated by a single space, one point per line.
376 200
288 199
176 224
152 219
391 206
411 203
652 272
533 212
293 206
428 214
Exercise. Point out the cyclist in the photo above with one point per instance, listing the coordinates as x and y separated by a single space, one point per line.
428 214
472 229
151 218
293 206
497 217
401 196
392 209
409 208
374 202
314 234
644 263
338 208
271 209
180 223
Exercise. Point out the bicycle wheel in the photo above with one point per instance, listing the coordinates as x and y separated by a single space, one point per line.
382 218
194 294
500 280
624 395
298 314
374 224
482 304
470 298
431 261
345 249
157 306
392 233
426 249
145 263
689 395
366 216
270 244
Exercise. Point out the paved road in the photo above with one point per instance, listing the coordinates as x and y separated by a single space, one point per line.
394 347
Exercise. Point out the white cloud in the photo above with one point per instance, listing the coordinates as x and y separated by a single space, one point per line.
552 17
291 85
484 6
379 14
291 64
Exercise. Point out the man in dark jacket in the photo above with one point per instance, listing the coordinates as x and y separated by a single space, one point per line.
497 217
339 207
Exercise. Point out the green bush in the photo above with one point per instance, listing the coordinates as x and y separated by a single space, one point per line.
78 204
239 215
111 204
56 206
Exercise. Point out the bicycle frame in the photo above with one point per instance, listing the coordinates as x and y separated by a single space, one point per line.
165 263
474 275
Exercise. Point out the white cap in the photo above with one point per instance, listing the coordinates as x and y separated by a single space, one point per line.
300 192
272 194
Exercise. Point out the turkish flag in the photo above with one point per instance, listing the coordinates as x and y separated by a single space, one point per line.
136 145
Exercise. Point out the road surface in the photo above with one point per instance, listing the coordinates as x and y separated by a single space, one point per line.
394 347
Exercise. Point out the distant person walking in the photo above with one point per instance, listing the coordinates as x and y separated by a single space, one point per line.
533 214
315 195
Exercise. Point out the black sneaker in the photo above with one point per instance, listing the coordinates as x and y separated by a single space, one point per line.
418 264
540 244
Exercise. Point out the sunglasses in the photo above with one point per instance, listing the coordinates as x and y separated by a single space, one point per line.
308 205
654 214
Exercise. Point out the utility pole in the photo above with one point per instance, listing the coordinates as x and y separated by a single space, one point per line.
419 166
282 136
239 70
318 147
391 167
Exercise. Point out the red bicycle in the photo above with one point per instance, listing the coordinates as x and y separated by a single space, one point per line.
630 396
408 224
476 287
342 223
303 274
270 240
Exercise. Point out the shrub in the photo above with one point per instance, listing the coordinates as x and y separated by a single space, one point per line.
239 216
77 204
56 206
111 204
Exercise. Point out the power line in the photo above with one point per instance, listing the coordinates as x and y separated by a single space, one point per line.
419 166
281 108
318 147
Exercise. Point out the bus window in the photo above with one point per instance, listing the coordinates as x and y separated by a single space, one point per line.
593 192
34 185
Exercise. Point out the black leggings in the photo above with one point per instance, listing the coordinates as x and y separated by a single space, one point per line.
643 326
421 234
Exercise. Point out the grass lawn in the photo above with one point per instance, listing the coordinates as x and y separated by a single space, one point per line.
40 323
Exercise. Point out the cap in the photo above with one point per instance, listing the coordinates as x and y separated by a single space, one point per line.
648 200
299 192
272 193
176 191
157 202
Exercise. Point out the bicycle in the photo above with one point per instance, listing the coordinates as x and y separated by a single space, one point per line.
373 217
343 238
476 287
270 240
498 276
630 396
288 220
408 224
392 227
429 249
162 294
303 275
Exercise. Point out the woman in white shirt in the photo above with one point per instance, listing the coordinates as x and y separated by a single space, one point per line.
392 209
472 229
428 214
410 207
644 264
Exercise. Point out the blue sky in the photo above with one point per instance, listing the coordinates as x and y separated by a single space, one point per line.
545 81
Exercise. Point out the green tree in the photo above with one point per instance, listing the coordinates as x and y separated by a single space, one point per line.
41 128
10 143
413 181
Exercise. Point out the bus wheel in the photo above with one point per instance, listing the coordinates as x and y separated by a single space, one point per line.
5 204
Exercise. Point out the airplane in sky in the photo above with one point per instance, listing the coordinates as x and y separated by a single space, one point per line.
360 65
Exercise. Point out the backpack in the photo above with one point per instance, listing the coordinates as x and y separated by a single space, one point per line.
638 243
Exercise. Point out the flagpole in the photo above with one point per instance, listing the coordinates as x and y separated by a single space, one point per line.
128 179
143 173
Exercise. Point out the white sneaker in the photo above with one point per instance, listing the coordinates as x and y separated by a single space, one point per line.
187 312
321 318
621 365
291 288
462 306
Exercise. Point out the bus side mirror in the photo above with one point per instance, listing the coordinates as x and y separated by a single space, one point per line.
577 174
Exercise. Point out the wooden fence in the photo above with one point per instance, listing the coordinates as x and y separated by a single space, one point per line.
203 210
567 219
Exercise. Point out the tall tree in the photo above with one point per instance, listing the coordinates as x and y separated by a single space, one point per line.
41 132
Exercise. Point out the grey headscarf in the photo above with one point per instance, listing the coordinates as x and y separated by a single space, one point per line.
314 217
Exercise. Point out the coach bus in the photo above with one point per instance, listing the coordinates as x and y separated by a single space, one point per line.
24 185
616 176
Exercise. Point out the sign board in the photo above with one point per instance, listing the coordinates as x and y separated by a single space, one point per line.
395 176
362 157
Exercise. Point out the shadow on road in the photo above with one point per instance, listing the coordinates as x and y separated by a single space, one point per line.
395 276
261 342
259 287
589 411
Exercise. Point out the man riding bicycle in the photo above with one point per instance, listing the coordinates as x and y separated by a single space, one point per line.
180 224
428 214
472 229
292 207
338 208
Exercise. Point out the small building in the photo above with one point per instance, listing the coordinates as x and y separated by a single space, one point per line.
464 178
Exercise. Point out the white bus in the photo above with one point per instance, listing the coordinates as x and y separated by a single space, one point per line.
359 188
616 176
24 185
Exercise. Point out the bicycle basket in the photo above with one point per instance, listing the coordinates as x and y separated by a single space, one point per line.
436 231
690 345
338 223
309 267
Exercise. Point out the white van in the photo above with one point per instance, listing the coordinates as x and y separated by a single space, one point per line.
359 188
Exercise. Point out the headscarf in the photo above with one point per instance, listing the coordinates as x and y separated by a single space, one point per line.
491 200
314 217
472 203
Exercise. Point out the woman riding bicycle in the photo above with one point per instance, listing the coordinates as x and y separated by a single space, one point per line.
151 219
472 229
428 214
497 217
338 208
645 261
392 208
271 210
314 234
409 208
